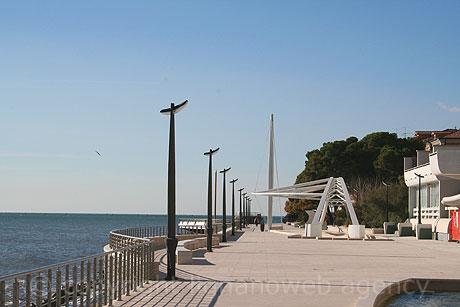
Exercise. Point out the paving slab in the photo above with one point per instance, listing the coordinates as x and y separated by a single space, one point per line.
268 269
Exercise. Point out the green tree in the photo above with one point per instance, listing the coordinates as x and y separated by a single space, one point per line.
363 164
371 209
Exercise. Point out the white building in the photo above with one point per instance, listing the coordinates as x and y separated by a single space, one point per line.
439 187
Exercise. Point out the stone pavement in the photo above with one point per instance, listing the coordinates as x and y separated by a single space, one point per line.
268 269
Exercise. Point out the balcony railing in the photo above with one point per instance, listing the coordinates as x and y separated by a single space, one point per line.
427 213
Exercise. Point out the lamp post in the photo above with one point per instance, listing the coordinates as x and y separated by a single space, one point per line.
241 208
244 209
224 206
386 209
419 214
249 210
171 241
209 224
233 205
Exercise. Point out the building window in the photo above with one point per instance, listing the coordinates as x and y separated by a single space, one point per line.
413 197
424 195
434 194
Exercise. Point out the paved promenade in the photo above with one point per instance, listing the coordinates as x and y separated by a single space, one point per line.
268 269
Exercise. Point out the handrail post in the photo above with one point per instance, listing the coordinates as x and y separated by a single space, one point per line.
120 263
50 280
94 282
74 285
111 282
67 285
128 264
15 293
39 291
88 283
58 288
99 300
82 281
28 279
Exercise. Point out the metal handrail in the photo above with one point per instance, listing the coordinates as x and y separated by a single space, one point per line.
120 238
90 281
53 266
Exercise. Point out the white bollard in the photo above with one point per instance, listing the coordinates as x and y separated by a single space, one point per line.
313 230
356 231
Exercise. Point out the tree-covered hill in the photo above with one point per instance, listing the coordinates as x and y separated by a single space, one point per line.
363 164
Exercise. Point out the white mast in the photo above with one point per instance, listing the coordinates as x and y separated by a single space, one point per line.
271 160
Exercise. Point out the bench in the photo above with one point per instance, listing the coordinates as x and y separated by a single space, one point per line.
405 230
201 242
184 255
215 241
185 248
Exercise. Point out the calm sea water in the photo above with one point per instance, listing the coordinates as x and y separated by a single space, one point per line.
33 240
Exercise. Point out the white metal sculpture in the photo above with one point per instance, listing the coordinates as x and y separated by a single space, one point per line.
329 192
271 162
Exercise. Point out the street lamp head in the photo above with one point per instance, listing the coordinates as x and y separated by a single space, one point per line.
225 170
418 175
240 189
174 109
244 194
234 180
386 184
211 151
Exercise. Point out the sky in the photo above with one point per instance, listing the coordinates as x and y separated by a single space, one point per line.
85 76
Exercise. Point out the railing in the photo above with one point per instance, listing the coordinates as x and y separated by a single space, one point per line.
121 238
143 232
427 213
91 281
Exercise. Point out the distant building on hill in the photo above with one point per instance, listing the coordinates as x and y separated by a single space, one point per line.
439 138
439 164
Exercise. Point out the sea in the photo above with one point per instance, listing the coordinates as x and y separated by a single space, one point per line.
33 240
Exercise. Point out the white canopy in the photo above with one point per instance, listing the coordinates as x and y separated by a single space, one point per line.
328 191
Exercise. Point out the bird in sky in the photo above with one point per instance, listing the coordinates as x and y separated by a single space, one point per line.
98 153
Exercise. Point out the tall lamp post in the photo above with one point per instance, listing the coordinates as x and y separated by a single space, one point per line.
224 206
241 208
233 205
209 224
386 209
419 210
244 209
249 210
171 241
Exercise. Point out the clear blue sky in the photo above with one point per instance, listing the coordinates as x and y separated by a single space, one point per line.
76 77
